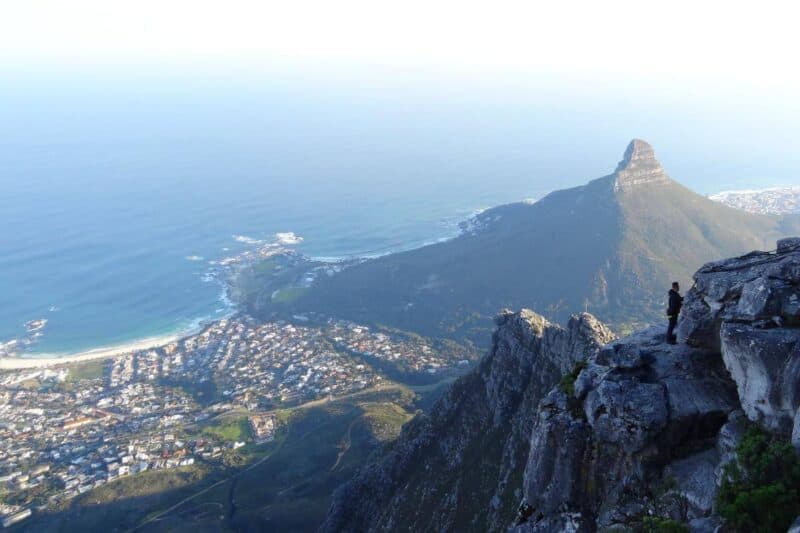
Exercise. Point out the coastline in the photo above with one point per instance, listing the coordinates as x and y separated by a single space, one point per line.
223 271
48 360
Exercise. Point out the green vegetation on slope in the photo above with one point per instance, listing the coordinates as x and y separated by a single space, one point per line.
229 428
284 485
89 370
668 233
611 252
760 492
123 503
287 295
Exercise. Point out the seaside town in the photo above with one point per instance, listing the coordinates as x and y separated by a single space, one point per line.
66 430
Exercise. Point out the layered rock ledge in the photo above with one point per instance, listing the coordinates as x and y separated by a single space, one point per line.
643 412
639 166
567 429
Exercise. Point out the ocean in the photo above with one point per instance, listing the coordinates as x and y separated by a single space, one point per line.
117 193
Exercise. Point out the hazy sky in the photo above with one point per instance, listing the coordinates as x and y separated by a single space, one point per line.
713 85
755 43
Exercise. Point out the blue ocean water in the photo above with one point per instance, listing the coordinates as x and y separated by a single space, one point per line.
117 192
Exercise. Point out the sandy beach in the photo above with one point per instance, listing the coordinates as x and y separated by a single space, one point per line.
11 363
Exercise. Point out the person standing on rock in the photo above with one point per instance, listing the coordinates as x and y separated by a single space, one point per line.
674 309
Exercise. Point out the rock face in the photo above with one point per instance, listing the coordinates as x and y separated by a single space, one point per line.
641 411
460 468
639 166
749 308
610 246
644 414
637 426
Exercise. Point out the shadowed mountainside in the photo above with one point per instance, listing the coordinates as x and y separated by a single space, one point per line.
610 247
568 430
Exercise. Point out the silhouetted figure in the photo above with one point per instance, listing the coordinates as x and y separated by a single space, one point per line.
673 310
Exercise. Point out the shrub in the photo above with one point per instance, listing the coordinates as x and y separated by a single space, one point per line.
655 524
760 491
567 383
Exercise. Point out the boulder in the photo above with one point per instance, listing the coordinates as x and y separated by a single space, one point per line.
758 288
554 476
627 413
790 244
796 430
765 365
757 300
626 356
696 481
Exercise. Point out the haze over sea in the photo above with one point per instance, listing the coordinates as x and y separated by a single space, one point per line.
118 189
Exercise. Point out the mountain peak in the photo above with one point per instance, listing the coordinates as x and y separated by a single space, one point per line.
639 166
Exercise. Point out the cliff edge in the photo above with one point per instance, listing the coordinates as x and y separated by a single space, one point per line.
567 429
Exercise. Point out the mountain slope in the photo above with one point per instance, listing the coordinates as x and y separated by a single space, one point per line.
636 434
611 247
460 469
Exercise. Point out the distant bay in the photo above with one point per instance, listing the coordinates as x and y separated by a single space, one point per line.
117 194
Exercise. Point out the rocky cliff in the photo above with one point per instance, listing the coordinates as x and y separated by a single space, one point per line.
460 467
608 247
639 166
632 420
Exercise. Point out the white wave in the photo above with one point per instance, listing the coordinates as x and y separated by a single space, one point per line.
244 239
288 238
194 258
53 309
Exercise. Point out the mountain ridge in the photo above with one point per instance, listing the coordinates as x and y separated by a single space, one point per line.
594 449
611 246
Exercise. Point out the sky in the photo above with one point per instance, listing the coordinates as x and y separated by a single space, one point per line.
702 80
715 42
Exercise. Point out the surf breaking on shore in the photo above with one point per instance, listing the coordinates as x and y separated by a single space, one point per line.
46 360
222 271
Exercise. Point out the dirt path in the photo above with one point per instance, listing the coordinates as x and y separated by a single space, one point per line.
167 511
347 441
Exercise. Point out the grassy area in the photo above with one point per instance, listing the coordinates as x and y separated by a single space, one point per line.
287 295
385 419
265 267
89 370
322 446
147 483
285 485
229 428
122 504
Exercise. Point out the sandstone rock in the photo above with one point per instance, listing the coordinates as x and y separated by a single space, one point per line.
698 324
787 245
558 444
796 430
463 461
729 436
626 412
563 523
758 288
639 166
642 411
696 480
711 524
647 406
626 356
757 300
765 364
